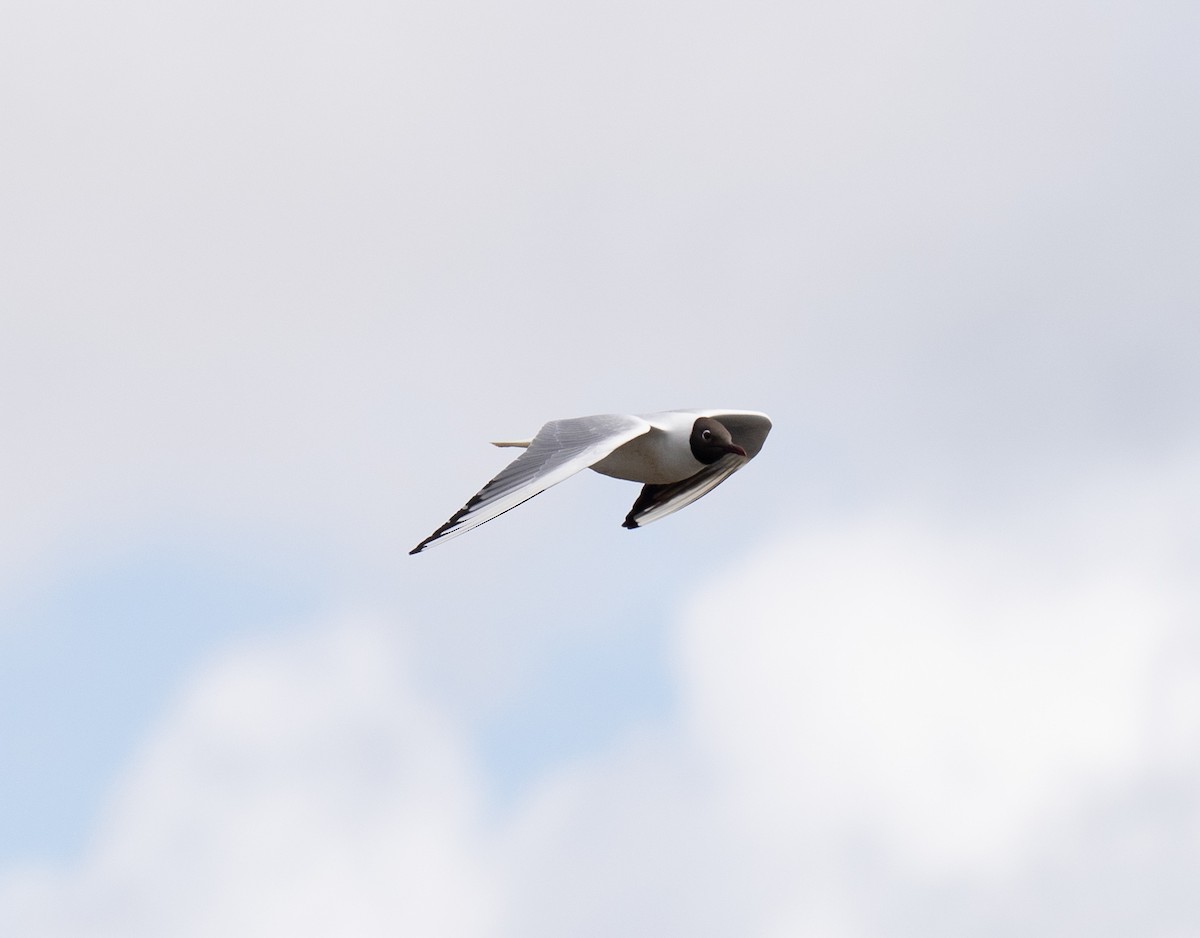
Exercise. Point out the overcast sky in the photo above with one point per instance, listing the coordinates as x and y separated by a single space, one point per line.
272 276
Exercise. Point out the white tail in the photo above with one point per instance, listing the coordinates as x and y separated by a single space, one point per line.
521 443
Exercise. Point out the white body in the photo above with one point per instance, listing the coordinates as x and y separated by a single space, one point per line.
661 456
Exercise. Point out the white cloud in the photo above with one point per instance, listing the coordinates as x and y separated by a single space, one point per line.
896 726
890 726
885 676
298 788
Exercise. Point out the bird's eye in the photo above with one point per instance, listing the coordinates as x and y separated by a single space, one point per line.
706 435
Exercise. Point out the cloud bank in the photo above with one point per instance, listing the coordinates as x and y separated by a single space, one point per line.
888 726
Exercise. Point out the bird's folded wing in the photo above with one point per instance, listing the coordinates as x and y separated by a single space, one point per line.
561 449
658 501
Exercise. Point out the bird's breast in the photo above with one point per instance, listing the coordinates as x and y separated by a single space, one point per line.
656 457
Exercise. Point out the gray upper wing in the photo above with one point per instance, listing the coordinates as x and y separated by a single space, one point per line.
561 449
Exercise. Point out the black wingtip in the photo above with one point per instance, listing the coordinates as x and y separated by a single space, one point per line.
454 519
629 523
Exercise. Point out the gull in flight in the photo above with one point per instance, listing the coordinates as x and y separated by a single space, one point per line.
678 456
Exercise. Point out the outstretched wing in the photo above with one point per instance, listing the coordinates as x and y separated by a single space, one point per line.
561 449
658 501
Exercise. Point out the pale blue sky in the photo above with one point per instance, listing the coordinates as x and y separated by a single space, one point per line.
90 660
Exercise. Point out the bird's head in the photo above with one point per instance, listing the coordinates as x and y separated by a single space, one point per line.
710 441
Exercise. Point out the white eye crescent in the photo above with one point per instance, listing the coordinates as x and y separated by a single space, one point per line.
707 435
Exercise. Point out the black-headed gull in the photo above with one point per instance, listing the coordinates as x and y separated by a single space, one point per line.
678 455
